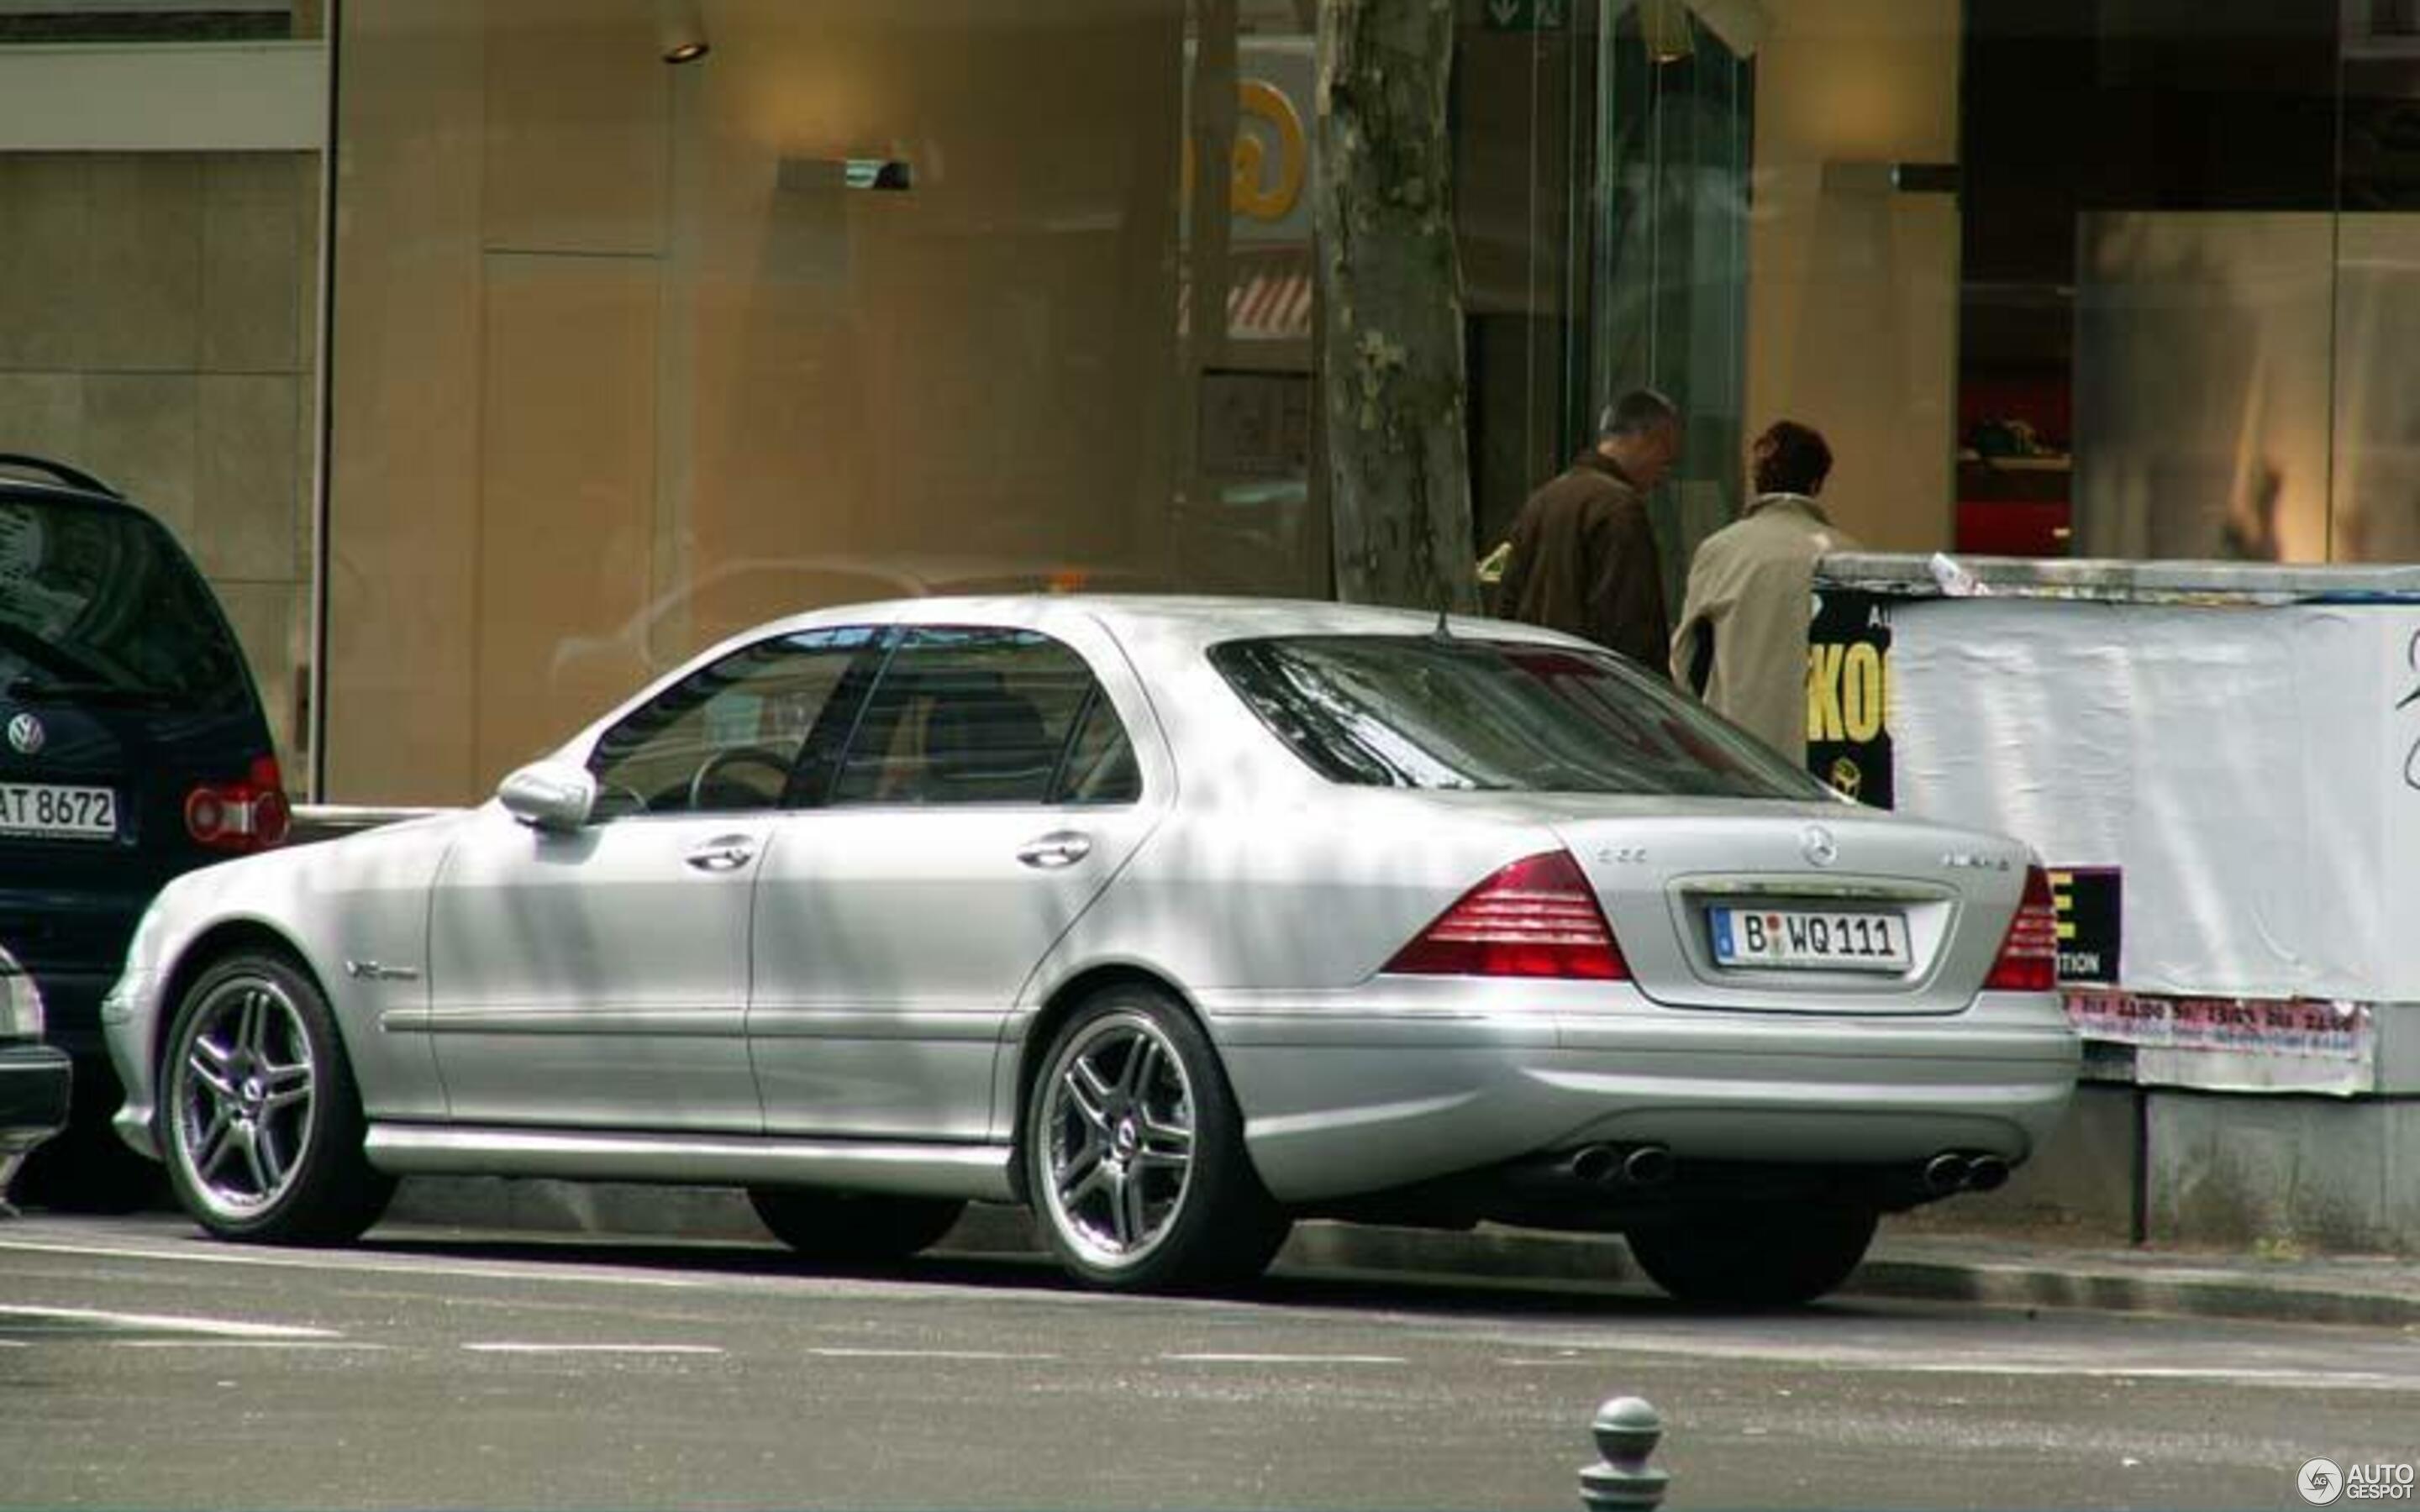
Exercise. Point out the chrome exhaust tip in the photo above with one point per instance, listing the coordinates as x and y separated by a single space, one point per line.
1945 1173
1647 1166
1986 1173
1595 1164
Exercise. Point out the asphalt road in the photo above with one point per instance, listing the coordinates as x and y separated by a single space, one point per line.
141 1366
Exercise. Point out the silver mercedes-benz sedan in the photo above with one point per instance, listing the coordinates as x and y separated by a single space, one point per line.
1175 919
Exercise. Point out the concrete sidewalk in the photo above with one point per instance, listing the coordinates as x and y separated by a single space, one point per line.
1926 1264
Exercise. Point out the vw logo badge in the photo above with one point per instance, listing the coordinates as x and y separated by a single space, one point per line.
1819 845
25 734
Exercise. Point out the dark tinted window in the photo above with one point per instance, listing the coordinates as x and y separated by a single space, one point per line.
1431 712
99 606
1100 762
728 735
976 715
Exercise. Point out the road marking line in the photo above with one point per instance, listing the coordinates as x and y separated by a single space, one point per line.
320 1345
516 1347
218 1327
842 1352
550 1269
2260 1375
1884 1361
1285 1359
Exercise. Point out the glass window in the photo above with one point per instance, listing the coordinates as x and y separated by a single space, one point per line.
974 715
99 606
1100 765
1430 712
728 735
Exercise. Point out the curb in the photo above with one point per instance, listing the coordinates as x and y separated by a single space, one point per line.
1931 1268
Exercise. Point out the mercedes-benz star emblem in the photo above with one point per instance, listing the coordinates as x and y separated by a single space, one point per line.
1819 845
27 734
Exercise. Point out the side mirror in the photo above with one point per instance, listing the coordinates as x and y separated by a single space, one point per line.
555 796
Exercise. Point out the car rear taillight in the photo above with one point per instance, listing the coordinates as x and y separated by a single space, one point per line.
1536 918
236 817
2028 959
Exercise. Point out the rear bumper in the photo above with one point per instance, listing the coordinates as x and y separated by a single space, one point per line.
35 1082
1354 1096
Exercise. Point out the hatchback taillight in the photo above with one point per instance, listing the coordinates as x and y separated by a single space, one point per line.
236 817
1535 918
2028 959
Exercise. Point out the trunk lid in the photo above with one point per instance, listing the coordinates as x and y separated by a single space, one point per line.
1866 912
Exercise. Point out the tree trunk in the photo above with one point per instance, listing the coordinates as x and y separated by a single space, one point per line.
1391 306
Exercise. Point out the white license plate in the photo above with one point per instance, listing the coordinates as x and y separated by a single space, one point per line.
1811 939
57 812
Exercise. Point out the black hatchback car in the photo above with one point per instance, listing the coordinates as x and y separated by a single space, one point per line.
132 748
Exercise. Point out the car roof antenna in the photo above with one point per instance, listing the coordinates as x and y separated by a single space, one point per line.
1443 631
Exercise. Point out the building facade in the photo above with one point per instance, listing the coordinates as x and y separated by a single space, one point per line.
511 362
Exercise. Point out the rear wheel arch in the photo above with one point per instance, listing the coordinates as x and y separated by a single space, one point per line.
1132 1148
1063 1001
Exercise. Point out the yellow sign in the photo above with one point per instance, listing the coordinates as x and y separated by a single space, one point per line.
1267 126
1256 193
2062 904
1847 778
1848 692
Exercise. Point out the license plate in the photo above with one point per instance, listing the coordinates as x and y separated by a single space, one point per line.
57 812
1807 939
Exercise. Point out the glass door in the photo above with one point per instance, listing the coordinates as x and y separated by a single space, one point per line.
1676 113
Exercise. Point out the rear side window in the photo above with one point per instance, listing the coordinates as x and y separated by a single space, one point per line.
99 606
1438 712
986 715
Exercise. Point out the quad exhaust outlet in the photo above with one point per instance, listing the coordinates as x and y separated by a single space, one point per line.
1951 1171
1621 1165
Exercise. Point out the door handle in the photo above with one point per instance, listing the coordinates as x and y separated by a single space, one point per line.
1064 847
724 853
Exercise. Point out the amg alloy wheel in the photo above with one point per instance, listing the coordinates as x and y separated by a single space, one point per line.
1134 1153
262 1125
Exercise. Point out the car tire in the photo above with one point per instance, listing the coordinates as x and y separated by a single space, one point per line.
261 1124
853 1227
1134 1153
1776 1256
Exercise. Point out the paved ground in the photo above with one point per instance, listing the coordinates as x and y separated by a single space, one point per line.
141 1364
2281 1286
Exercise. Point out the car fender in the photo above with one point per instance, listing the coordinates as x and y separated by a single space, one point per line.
353 911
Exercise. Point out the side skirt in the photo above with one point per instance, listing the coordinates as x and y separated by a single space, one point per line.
975 1173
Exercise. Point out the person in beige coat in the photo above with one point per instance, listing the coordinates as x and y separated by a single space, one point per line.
1742 642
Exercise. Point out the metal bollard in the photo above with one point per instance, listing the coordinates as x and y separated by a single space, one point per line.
1627 1430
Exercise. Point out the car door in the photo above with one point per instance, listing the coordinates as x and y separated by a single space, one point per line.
990 790
598 978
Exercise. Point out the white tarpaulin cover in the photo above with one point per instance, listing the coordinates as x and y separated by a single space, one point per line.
2255 771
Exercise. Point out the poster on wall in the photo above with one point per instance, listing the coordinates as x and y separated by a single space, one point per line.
1848 694
2086 900
2236 1044
1255 425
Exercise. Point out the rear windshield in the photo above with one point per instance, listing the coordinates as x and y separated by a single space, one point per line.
98 606
1443 712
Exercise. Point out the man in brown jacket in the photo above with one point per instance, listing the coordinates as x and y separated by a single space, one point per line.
1583 553
1742 645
